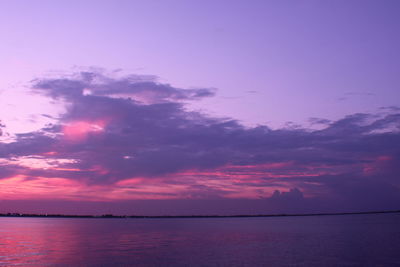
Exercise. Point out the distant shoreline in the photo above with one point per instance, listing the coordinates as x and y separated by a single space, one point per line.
190 216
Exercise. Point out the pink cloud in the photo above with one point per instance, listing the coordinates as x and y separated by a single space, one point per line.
78 131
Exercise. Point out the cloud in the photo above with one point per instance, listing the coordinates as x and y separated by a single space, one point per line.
118 130
293 194
1 128
143 89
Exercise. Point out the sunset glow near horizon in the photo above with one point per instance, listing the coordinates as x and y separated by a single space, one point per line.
215 137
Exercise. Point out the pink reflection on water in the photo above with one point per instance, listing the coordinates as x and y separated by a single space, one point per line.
280 241
67 242
28 241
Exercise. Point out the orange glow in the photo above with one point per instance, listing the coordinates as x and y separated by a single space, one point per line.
253 173
230 181
100 170
50 153
22 187
377 165
274 165
79 130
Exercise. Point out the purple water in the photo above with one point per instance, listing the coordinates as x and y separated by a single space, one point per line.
351 240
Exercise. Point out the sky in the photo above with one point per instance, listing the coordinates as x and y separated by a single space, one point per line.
199 107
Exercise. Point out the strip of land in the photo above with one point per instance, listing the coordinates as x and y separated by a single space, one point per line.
191 216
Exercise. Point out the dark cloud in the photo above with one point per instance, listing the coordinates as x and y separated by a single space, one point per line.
1 126
143 89
147 132
10 170
293 195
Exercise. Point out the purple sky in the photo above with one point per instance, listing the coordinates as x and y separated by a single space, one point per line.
161 106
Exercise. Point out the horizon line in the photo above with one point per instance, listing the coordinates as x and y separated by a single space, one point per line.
29 215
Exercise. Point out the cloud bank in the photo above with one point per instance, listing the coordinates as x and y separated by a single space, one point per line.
124 138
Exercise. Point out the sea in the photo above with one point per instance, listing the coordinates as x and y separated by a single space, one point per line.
331 240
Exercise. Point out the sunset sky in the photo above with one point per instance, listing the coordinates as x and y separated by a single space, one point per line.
199 107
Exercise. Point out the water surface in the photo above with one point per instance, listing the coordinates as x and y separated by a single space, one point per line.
350 240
